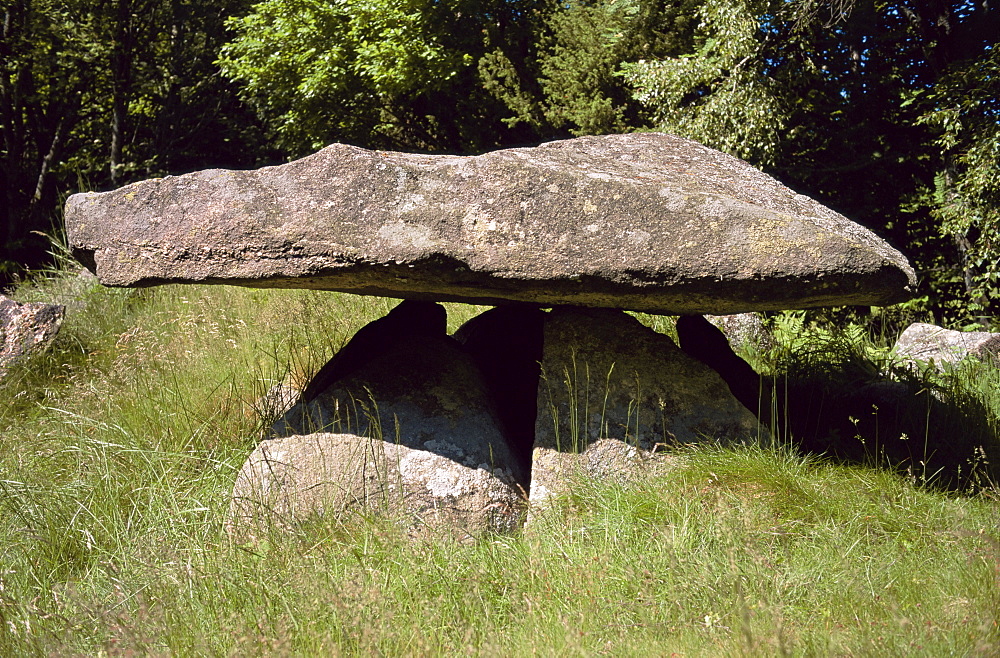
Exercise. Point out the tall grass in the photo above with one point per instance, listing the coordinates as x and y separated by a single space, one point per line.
119 446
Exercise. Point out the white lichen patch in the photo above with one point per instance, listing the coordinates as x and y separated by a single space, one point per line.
442 478
403 235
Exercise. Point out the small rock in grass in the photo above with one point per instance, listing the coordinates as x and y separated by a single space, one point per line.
26 328
944 347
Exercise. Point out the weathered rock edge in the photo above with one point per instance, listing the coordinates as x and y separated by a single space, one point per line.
646 221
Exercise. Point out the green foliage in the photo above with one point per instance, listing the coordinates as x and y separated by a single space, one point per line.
964 110
578 48
370 72
585 46
569 81
47 52
697 69
721 93
338 64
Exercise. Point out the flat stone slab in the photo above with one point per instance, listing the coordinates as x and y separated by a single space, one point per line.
646 221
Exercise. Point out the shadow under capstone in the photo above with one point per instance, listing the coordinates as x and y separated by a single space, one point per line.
506 344
850 417
409 319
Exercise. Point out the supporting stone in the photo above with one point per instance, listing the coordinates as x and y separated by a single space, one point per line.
288 480
605 377
416 404
506 343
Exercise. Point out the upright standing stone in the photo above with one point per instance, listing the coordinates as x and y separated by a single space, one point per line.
404 420
607 377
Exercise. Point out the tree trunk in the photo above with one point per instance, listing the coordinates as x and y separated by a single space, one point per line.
121 84
16 88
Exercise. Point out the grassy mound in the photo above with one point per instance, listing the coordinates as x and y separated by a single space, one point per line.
119 447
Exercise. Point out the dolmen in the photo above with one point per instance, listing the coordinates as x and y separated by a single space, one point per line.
469 430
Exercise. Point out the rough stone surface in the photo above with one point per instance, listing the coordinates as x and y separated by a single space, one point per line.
604 459
423 392
645 221
287 480
606 376
927 342
745 331
26 328
275 403
422 397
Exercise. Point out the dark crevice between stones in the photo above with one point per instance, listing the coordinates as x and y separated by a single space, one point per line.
86 258
506 344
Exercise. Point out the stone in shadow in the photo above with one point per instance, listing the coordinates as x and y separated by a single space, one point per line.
702 340
506 343
404 419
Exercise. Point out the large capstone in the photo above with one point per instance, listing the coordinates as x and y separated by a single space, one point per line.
648 222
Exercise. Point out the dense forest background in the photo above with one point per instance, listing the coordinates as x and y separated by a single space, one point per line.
887 111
